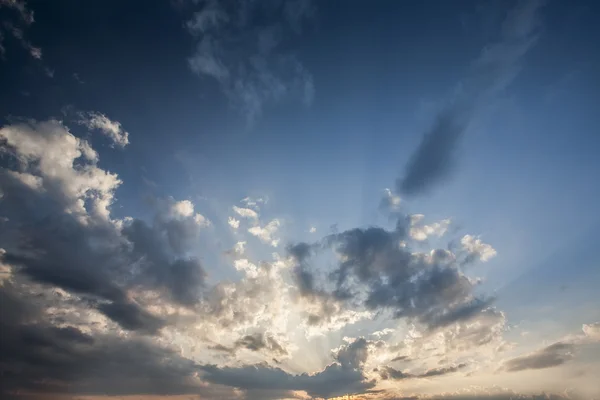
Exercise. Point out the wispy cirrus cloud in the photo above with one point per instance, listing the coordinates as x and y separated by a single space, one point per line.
557 353
550 356
243 47
16 26
496 67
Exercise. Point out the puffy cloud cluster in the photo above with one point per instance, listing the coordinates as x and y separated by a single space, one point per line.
267 233
420 231
70 297
60 231
112 129
476 249
345 375
160 251
39 357
377 271
592 331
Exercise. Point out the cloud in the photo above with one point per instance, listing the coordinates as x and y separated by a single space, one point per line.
111 129
160 251
391 373
592 331
132 317
551 356
354 354
5 269
233 223
383 332
260 342
337 378
267 232
15 27
378 273
243 46
494 69
254 201
476 249
48 151
245 212
143 280
557 353
390 201
240 248
39 357
99 305
257 342
113 280
61 233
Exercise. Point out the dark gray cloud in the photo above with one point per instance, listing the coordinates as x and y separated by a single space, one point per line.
260 342
54 248
305 280
391 373
345 376
132 317
554 355
353 355
36 356
60 234
16 19
433 160
378 274
493 70
157 250
244 47
223 349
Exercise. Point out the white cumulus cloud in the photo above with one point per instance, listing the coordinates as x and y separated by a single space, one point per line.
476 248
245 212
267 232
233 223
112 129
421 232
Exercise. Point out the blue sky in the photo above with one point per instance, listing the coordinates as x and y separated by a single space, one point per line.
397 199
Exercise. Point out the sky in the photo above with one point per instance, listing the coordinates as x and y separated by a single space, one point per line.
293 199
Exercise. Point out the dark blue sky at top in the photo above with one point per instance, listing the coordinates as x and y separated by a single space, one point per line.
379 73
